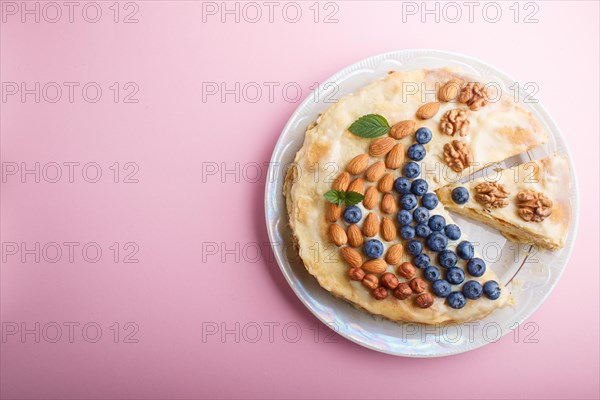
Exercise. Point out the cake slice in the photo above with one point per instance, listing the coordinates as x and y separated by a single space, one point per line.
529 203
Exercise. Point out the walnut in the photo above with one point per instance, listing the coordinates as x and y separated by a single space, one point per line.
474 95
457 155
492 195
455 121
534 206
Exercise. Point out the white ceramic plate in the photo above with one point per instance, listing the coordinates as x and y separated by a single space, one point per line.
530 275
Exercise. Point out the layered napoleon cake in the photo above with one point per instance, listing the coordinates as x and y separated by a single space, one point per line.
361 194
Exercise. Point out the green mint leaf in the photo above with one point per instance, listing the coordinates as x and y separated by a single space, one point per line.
370 126
353 198
340 197
336 197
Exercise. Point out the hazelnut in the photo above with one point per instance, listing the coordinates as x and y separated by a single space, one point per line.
407 270
370 281
403 291
356 274
389 280
418 285
424 300
380 293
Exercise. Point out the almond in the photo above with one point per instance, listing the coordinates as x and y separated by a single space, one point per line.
386 183
371 198
375 171
450 90
357 186
388 230
355 237
388 204
351 256
395 157
402 129
334 212
394 254
381 147
428 110
342 181
358 164
374 266
337 235
371 225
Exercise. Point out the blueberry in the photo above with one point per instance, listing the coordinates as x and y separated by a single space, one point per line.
419 187
352 214
404 217
429 201
408 201
423 135
402 185
465 250
431 273
452 231
460 195
373 248
492 290
411 170
421 261
455 275
476 267
441 288
420 215
414 248
456 300
416 152
447 258
437 223
437 242
472 290
422 230
407 232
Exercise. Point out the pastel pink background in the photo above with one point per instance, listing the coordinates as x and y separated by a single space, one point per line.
170 212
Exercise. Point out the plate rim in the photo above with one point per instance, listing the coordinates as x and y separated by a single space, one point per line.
395 54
